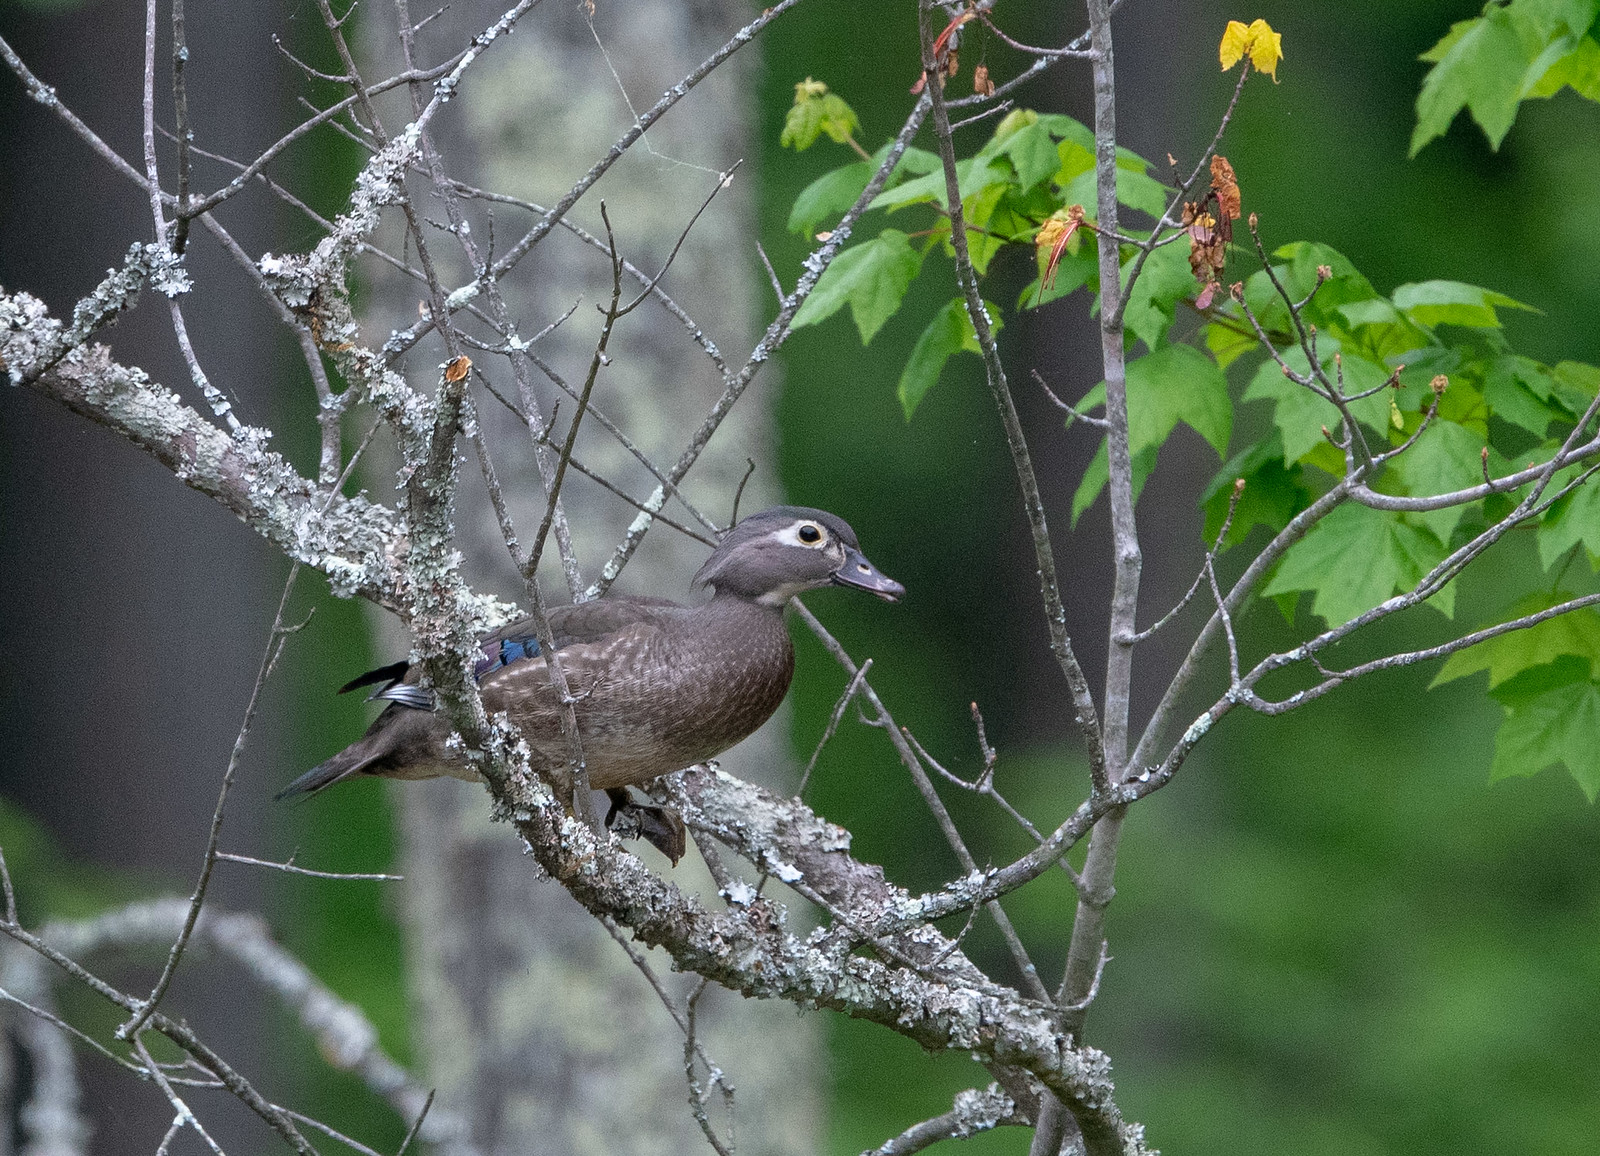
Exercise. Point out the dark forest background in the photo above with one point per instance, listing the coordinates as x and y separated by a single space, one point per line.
1330 934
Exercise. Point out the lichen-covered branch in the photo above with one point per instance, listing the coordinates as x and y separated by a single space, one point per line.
748 950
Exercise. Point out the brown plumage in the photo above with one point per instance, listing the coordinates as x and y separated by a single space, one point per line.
659 686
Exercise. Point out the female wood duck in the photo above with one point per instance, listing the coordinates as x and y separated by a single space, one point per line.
659 686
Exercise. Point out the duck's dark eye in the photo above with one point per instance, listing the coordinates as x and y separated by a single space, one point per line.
810 535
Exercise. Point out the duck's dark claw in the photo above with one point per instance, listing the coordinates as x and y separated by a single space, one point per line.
661 827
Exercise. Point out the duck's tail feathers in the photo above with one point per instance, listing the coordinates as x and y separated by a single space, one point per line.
351 761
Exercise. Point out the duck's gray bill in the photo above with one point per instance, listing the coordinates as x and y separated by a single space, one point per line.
863 575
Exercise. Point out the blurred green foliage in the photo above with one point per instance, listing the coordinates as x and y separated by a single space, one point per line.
1331 933
51 885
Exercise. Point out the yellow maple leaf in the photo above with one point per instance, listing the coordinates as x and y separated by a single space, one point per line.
1264 46
1235 43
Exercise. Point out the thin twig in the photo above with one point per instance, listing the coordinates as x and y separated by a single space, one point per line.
329 1130
750 469
178 1106
772 274
599 359
1003 107
1088 718
1094 986
292 869
427 1105
185 134
501 321
165 1146
985 786
661 476
678 1017
151 175
1167 220
974 1112
850 690
1072 414
724 181
50 1017
1205 566
697 1095
774 336
1072 50
696 334
11 895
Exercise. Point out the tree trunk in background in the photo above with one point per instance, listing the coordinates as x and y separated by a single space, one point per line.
532 1022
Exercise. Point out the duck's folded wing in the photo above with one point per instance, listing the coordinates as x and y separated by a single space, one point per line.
585 623
591 668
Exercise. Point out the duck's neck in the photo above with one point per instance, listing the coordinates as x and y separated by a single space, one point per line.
742 624
744 605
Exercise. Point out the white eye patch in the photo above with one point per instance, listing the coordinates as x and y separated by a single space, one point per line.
811 535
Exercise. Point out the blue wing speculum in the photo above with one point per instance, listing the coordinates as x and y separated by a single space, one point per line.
504 653
391 686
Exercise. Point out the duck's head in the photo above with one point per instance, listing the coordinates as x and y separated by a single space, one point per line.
772 556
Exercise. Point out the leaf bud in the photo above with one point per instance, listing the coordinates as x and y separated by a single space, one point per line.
1439 384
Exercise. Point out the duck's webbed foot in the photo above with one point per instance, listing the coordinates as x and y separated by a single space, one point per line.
659 826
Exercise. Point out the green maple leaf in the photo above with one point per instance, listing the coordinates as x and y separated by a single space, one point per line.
1518 51
1174 384
830 193
950 332
872 278
1507 655
1357 557
1300 414
1152 304
1558 726
815 112
1454 303
1445 458
1574 519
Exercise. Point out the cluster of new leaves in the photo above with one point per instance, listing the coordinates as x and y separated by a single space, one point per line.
1498 412
1426 367
1517 51
1031 172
